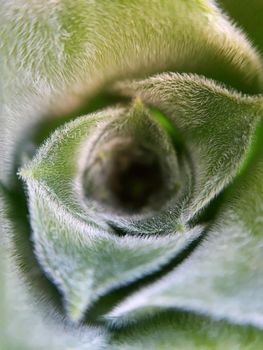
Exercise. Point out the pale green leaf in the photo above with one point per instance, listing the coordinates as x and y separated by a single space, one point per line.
74 244
182 331
98 40
216 124
223 277
25 321
52 54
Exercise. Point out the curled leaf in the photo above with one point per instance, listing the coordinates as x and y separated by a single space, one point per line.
74 242
225 270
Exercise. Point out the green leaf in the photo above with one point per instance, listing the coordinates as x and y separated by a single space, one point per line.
223 276
53 55
25 322
72 235
179 331
95 39
216 124
74 244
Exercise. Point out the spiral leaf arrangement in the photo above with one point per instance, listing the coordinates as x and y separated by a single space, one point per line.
137 223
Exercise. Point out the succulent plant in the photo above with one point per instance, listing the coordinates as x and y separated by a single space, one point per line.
131 179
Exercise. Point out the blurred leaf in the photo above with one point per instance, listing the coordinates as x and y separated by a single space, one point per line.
177 331
248 16
24 322
54 56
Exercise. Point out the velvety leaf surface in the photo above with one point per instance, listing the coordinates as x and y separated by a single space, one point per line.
78 250
49 51
25 324
216 125
57 57
225 270
90 39
179 331
73 241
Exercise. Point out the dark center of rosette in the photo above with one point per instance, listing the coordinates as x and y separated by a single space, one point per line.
133 168
136 177
127 176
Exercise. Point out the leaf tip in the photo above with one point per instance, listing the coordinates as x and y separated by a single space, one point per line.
24 173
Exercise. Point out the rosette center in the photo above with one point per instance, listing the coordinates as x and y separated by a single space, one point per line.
127 175
133 167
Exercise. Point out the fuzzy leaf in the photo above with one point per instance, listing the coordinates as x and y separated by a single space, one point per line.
73 238
66 43
53 54
76 247
25 322
225 270
216 125
179 331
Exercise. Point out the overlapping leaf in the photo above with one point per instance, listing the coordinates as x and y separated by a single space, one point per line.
26 324
216 125
73 240
75 245
49 51
180 330
83 46
104 40
225 270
